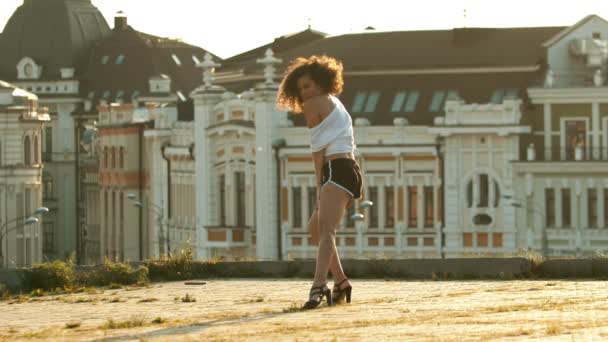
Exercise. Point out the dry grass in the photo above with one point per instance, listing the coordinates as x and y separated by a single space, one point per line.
135 321
553 329
72 325
188 299
148 300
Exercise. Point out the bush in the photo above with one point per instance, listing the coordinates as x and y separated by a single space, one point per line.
175 266
52 275
5 293
113 273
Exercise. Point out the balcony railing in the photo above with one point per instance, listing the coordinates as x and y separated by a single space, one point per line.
575 154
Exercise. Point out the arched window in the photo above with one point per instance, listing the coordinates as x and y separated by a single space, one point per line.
479 188
36 151
27 152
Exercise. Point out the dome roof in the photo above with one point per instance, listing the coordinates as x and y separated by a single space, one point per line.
54 33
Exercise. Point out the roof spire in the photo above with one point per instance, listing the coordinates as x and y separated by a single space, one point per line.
309 26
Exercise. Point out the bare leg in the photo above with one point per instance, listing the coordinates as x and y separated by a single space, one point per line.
334 264
331 210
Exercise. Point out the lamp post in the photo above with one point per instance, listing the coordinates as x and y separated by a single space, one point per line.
159 212
28 220
358 218
536 209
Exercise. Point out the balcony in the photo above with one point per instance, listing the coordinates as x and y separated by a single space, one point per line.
559 154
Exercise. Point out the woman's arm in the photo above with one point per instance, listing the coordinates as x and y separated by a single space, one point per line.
311 113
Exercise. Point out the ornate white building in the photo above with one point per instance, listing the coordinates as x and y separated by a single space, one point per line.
21 123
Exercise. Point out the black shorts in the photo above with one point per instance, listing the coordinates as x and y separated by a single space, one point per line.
343 173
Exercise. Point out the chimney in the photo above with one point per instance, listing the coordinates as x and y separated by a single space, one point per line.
120 21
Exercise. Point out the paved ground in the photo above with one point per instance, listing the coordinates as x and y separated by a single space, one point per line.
263 310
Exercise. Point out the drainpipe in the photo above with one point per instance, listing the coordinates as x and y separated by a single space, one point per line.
277 144
141 192
168 160
77 188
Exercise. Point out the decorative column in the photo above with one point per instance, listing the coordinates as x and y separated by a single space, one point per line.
267 122
205 98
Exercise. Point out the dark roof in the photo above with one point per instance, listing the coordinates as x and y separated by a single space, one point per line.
124 62
404 52
461 47
55 33
280 44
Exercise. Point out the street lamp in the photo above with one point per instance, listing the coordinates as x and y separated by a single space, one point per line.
362 205
159 212
28 220
536 209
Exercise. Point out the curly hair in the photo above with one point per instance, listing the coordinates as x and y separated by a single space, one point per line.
324 70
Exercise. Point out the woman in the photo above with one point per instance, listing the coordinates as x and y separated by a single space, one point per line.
310 86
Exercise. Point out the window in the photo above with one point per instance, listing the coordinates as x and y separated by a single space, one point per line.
120 94
296 196
135 94
48 143
176 59
576 134
195 60
566 204
121 158
120 59
47 186
113 157
437 101
389 205
372 101
596 35
373 210
222 186
483 183
592 207
106 94
428 206
410 100
550 207
500 95
27 152
48 237
359 101
398 102
412 206
0 153
105 59
240 198
36 151
105 157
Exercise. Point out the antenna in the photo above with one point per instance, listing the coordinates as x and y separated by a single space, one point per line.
309 20
465 18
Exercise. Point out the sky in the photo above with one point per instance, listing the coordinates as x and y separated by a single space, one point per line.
229 27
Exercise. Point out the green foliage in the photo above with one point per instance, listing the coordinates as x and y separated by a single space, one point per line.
51 275
113 274
178 266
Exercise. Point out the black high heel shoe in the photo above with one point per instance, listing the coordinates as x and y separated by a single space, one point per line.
339 294
318 292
